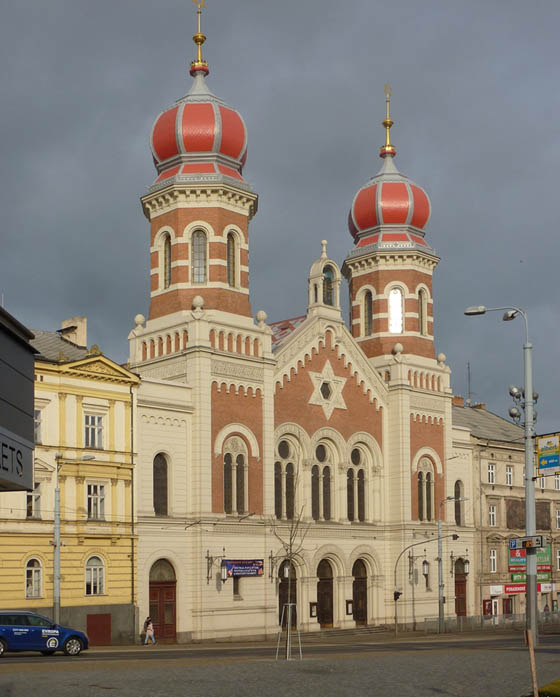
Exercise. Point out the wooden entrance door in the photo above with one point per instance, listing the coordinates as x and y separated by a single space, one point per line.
287 593
163 610
359 592
325 594
460 595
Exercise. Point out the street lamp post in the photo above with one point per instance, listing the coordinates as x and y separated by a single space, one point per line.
530 515
56 537
396 592
441 619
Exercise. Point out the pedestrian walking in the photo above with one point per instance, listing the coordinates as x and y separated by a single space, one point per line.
149 631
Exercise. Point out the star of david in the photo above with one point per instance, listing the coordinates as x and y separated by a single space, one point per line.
327 391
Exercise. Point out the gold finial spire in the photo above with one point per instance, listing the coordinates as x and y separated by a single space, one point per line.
199 39
388 148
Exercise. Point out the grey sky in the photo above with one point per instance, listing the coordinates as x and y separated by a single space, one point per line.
475 104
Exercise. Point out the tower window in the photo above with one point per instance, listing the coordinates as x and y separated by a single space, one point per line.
422 312
166 261
368 313
395 311
328 285
231 259
199 257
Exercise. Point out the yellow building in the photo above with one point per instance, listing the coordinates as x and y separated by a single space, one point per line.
83 440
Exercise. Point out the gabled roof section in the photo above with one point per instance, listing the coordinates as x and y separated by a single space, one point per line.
99 367
54 348
484 424
283 328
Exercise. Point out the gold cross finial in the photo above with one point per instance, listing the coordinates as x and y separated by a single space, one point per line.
199 39
388 148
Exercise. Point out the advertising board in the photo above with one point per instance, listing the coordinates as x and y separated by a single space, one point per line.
244 567
548 451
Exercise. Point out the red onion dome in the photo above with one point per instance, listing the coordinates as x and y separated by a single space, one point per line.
389 199
199 135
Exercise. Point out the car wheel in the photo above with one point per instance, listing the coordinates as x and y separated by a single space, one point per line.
47 653
3 647
72 646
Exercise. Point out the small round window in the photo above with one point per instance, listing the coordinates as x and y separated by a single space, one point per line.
284 449
321 453
356 456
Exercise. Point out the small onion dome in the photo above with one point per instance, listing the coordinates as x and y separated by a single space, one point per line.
389 199
199 135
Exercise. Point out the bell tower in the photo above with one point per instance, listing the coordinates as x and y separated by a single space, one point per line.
199 205
390 268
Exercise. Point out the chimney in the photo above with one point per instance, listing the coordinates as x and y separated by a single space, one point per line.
458 401
480 405
74 329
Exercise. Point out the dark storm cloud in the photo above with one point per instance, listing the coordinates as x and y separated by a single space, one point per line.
475 104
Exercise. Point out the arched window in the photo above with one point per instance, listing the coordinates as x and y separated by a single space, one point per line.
420 496
166 261
350 493
228 484
160 484
428 496
235 475
458 494
315 492
199 257
231 260
328 285
278 490
327 493
395 311
368 313
361 496
290 493
95 576
422 312
33 573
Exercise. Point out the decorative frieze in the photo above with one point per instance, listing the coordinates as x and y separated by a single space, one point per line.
237 370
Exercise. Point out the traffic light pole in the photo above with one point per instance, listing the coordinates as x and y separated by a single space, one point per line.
396 592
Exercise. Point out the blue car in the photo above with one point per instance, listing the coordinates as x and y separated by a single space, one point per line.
27 631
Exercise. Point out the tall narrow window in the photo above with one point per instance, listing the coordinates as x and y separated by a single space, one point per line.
492 516
493 561
240 483
509 476
278 490
491 473
166 261
95 501
420 496
199 257
328 285
368 313
231 258
33 579
160 485
228 484
93 431
33 509
428 495
290 493
327 493
422 312
361 496
458 493
315 492
350 493
37 425
95 576
395 311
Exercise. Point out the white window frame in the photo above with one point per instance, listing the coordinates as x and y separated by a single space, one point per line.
37 424
33 579
95 577
34 497
558 518
557 481
491 473
493 561
395 303
492 515
542 483
558 559
93 431
509 475
95 504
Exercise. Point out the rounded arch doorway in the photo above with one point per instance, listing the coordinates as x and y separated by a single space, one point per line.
359 592
163 605
325 594
287 594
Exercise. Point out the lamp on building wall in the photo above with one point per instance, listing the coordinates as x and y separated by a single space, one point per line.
211 560
526 399
425 568
223 571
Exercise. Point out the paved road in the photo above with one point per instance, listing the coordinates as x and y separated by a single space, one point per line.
496 666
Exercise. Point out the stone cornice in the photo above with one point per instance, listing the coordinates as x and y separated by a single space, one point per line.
200 195
375 261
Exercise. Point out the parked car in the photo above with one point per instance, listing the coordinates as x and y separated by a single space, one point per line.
27 631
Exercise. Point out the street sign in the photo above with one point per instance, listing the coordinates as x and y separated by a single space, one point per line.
548 451
524 542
